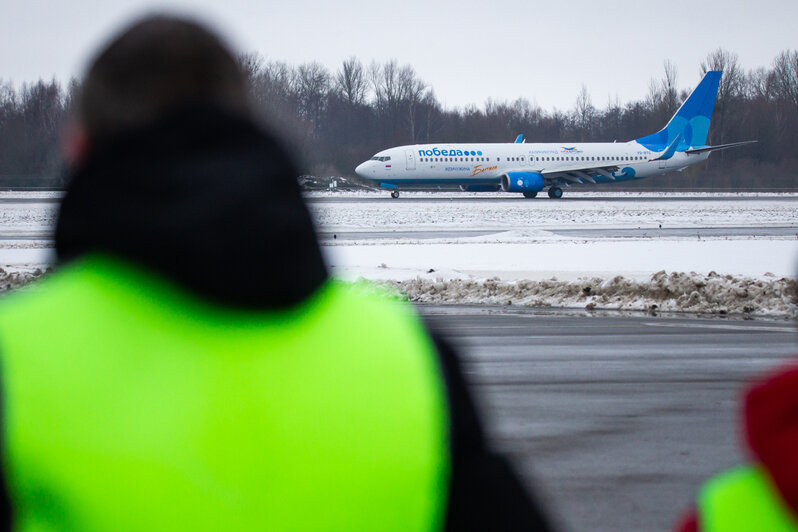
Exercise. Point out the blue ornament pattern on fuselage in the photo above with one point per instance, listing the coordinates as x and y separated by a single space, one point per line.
624 174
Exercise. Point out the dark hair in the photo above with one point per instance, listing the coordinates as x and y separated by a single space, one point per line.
156 65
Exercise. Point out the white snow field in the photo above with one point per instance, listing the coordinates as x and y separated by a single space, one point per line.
719 253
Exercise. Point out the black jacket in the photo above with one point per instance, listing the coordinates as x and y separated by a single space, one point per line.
209 200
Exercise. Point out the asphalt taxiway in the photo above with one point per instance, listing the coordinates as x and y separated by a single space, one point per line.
615 421
787 231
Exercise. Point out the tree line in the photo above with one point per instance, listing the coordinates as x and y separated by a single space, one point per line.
336 119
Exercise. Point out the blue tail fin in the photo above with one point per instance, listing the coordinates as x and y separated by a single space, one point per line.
691 120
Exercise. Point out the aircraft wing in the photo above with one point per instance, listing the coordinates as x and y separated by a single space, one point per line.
582 174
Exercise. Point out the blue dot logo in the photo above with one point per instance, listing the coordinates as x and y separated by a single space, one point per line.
479 153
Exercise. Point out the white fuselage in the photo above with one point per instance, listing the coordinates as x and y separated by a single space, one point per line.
485 164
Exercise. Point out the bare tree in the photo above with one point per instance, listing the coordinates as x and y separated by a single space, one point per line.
350 81
251 64
584 112
663 94
756 85
312 82
784 78
670 90
730 88
411 93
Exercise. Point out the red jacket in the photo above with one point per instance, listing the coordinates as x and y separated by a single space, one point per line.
771 431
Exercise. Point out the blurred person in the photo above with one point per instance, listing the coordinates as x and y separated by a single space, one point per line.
191 365
761 495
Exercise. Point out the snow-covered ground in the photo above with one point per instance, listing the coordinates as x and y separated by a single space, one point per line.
450 211
523 257
525 261
564 258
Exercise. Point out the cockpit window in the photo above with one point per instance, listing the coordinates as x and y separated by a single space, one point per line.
385 158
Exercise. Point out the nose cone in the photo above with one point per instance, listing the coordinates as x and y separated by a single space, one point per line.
361 169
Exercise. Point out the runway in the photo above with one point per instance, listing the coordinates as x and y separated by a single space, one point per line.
605 195
614 233
614 420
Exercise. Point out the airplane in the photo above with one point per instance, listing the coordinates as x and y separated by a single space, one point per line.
531 168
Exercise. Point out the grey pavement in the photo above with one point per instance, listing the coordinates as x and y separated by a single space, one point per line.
670 232
790 231
468 198
325 236
12 200
615 421
412 235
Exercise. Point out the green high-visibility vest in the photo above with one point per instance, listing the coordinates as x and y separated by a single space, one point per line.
743 500
131 405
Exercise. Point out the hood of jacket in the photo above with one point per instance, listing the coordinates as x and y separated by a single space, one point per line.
204 197
771 416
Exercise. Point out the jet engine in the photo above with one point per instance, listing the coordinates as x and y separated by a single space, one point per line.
522 182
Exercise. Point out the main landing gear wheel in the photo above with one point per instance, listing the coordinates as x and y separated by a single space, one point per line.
395 194
530 194
555 192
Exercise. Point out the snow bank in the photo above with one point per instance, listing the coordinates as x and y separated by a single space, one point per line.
17 278
712 293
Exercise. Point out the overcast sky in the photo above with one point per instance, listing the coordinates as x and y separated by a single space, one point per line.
468 51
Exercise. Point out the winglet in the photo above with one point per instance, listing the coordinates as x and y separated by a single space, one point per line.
519 139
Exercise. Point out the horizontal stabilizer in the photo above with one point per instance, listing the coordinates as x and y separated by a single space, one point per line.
720 146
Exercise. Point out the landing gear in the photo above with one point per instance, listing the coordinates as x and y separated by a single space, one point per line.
530 195
395 194
555 192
